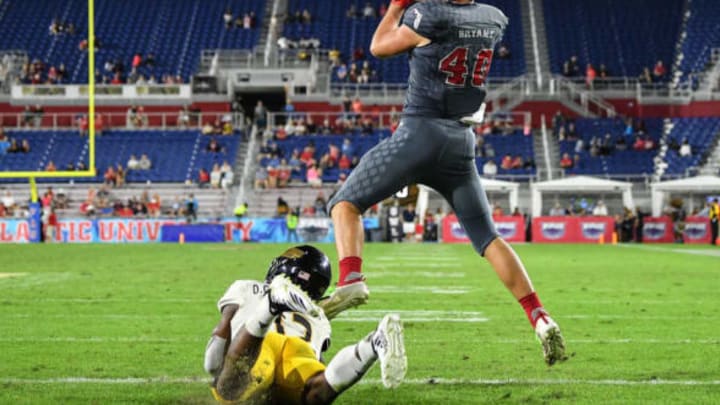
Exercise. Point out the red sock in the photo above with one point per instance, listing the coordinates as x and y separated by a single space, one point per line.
350 270
533 308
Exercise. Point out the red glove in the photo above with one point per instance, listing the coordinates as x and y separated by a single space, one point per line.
402 3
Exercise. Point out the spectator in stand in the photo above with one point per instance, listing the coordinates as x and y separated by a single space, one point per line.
261 177
133 163
313 176
352 11
183 120
273 173
246 21
8 201
600 209
490 169
284 173
306 17
145 162
213 146
203 178
119 176
215 176
590 75
566 162
639 144
110 176
517 162
25 146
345 163
228 19
572 134
357 106
645 76
308 155
137 61
320 204
557 210
649 143
685 149
607 145
603 72
191 208
358 54
620 144
577 164
14 147
507 162
353 74
369 11
504 51
260 115
341 73
659 71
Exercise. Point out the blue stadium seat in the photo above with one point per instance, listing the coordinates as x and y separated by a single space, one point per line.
175 31
176 155
626 36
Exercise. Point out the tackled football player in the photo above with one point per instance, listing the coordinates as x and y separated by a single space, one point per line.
267 346
451 47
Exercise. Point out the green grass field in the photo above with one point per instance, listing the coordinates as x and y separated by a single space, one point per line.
105 324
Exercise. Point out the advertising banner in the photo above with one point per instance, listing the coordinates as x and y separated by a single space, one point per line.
572 229
512 229
697 230
309 230
657 230
14 231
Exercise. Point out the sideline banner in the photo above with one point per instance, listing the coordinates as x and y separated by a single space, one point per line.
512 229
658 230
572 229
14 231
697 230
310 229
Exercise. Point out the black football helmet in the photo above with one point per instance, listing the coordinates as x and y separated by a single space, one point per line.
306 266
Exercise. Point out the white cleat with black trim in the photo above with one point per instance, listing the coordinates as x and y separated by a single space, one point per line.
389 345
553 343
345 297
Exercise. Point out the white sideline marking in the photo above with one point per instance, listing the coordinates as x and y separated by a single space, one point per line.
369 381
697 252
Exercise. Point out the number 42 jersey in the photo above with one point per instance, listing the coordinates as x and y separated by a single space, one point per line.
248 294
447 76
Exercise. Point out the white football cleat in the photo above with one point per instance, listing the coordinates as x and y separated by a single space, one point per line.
388 343
344 298
285 296
553 343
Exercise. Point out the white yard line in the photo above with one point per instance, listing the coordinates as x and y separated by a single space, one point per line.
696 252
412 274
369 381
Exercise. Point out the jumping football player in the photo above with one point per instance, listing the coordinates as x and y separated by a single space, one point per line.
267 347
451 48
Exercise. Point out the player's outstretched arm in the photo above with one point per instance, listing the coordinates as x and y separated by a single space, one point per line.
390 37
218 344
241 356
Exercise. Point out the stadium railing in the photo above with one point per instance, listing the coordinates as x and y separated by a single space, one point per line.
119 120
